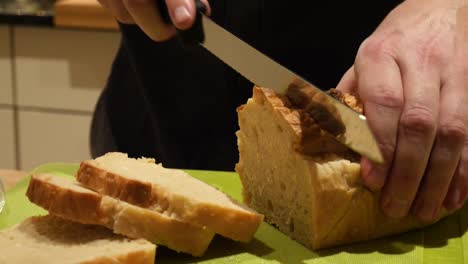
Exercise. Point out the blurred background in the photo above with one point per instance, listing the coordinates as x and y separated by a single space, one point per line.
55 57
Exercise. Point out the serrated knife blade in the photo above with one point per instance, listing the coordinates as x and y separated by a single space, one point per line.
265 72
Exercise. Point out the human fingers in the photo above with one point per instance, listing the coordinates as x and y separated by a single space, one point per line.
348 83
146 14
118 10
182 12
380 89
445 153
458 190
416 132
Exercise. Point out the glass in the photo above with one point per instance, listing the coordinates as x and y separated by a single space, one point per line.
2 196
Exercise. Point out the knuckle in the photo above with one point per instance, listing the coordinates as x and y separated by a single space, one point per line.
433 52
418 120
387 96
453 131
375 48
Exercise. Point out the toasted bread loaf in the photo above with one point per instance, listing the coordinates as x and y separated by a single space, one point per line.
72 201
53 240
312 192
144 183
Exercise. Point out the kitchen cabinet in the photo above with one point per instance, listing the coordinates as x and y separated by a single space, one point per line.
50 79
46 137
7 139
64 69
6 89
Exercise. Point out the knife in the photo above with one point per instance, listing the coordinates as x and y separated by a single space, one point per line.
265 72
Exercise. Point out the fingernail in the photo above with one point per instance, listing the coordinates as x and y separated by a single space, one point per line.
395 208
377 177
373 174
181 14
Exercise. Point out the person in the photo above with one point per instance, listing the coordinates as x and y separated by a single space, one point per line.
407 60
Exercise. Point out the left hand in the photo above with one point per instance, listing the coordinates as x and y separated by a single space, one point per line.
412 76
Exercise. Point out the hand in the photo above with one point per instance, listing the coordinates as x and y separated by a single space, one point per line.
412 76
145 14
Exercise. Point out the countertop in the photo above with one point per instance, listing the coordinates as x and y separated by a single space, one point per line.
81 14
11 177
29 12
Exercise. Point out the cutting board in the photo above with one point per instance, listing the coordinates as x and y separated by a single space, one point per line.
444 242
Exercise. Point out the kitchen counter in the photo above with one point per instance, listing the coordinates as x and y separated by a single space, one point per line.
29 12
83 14
11 177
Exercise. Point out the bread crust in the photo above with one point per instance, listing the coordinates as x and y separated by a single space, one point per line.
343 209
82 207
239 225
50 239
138 257
89 207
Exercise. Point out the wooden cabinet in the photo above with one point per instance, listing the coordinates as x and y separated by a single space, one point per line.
46 137
6 90
64 69
58 76
7 124
7 139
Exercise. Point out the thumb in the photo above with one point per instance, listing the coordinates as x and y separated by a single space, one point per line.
348 83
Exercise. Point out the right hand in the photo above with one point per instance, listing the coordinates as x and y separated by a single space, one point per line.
146 15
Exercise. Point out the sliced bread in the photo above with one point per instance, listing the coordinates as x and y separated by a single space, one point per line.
72 201
302 180
173 192
53 240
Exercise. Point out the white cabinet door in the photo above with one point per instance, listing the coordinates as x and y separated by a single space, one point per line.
52 137
62 68
5 67
7 140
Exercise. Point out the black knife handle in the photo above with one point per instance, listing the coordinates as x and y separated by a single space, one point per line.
194 35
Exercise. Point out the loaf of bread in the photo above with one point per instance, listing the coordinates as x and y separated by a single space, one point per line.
172 192
53 240
302 180
70 200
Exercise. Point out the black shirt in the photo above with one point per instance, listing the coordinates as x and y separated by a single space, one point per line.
179 106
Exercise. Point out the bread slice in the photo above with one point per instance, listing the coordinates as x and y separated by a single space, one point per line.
293 173
173 192
72 201
52 240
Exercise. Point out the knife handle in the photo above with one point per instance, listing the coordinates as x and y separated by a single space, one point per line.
194 35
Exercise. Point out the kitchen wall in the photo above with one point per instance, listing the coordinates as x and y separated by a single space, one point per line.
50 80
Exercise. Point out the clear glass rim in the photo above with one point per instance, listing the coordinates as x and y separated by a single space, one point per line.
2 196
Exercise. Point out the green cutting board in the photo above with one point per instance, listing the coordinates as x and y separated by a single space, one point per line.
444 242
